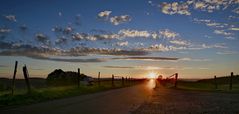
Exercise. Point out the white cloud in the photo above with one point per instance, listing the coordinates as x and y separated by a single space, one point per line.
200 5
163 48
175 8
61 40
57 29
193 59
217 25
150 3
230 38
212 5
138 44
206 36
104 14
201 20
217 45
116 20
126 33
219 28
155 35
205 46
59 14
180 42
11 18
159 47
134 33
227 52
232 17
210 23
234 29
184 7
122 43
236 10
5 30
68 30
168 34
85 36
222 32
40 37
80 36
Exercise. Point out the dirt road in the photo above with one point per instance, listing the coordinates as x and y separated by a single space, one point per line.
139 99
171 101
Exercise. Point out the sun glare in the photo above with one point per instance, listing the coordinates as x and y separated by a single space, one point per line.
152 75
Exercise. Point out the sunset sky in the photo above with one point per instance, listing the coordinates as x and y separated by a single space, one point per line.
196 38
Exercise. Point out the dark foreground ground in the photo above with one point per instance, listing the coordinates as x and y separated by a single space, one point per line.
171 101
139 99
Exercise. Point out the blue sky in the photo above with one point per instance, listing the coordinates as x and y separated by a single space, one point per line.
196 38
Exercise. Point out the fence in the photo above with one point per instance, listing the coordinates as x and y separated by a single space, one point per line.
120 80
26 77
230 81
172 80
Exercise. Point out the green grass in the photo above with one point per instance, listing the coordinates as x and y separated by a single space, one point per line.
21 97
208 86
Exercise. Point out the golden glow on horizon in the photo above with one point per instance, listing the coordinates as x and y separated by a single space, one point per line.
152 75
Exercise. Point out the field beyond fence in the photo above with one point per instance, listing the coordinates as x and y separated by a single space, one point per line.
217 84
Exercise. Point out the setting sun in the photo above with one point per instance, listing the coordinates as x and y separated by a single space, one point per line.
152 75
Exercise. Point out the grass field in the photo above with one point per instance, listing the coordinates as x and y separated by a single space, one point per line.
210 84
40 94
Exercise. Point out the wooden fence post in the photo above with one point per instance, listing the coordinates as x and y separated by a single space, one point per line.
78 78
112 80
126 80
129 80
215 81
14 77
99 79
230 86
176 79
26 76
